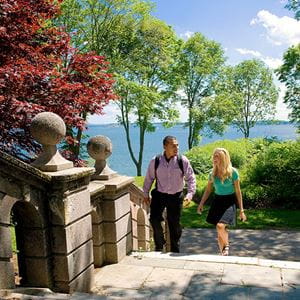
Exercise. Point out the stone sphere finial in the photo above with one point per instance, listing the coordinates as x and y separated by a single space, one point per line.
49 129
100 148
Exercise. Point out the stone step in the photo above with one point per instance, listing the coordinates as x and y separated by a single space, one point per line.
44 294
154 275
178 260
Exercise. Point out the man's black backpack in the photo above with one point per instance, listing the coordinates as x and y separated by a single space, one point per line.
179 159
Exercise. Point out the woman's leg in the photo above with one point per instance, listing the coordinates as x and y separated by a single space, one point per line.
222 236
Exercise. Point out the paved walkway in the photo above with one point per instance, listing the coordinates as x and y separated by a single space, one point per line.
174 276
268 244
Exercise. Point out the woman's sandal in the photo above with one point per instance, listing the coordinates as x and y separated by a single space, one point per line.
225 251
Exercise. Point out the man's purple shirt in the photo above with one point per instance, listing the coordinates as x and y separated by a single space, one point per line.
170 179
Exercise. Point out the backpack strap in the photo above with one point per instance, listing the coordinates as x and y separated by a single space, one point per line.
156 163
180 163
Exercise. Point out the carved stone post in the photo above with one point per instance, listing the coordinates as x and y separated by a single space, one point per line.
70 209
112 221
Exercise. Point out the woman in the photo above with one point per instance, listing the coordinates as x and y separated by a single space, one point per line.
225 180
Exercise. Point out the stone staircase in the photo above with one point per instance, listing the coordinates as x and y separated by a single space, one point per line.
154 275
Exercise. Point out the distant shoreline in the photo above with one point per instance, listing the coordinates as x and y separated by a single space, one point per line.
272 122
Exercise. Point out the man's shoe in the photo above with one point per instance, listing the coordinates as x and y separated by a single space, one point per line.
175 250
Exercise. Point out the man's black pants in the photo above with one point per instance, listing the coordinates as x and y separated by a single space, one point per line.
173 203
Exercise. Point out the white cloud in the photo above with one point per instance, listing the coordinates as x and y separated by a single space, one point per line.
247 51
279 31
271 62
110 114
282 111
186 35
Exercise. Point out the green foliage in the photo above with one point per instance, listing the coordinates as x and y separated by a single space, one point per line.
289 73
294 5
13 239
139 180
251 89
269 170
146 83
198 65
273 176
256 218
105 27
240 150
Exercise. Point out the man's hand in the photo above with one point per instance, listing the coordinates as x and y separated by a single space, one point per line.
147 200
186 202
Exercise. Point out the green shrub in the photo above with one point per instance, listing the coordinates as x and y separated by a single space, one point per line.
273 176
240 151
139 180
269 170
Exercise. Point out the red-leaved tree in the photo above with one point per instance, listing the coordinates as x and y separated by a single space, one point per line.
40 71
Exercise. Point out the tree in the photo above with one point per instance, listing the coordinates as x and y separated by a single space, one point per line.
199 63
40 71
103 26
252 91
140 49
294 5
146 82
289 73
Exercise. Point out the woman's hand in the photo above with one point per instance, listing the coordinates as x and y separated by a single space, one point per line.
243 217
200 208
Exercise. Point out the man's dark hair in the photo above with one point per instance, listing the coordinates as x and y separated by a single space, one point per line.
167 138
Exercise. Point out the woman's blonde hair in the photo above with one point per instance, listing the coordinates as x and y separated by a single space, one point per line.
224 169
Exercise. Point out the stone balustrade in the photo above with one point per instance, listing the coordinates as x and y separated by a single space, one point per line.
67 220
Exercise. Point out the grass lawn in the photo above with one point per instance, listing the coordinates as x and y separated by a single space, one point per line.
257 219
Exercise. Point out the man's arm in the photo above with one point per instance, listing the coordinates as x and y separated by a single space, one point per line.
190 179
149 178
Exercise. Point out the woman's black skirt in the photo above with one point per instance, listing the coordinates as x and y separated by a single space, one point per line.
222 210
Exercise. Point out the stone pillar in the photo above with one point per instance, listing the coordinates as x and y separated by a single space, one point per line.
70 209
71 224
115 206
7 279
95 189
140 220
112 222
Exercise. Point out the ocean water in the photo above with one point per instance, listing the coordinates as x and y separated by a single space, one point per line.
121 161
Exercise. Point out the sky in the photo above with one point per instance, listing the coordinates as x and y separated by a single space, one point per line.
246 29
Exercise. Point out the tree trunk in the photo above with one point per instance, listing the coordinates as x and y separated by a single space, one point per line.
190 125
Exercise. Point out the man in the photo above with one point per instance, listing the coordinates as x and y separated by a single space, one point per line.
169 170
